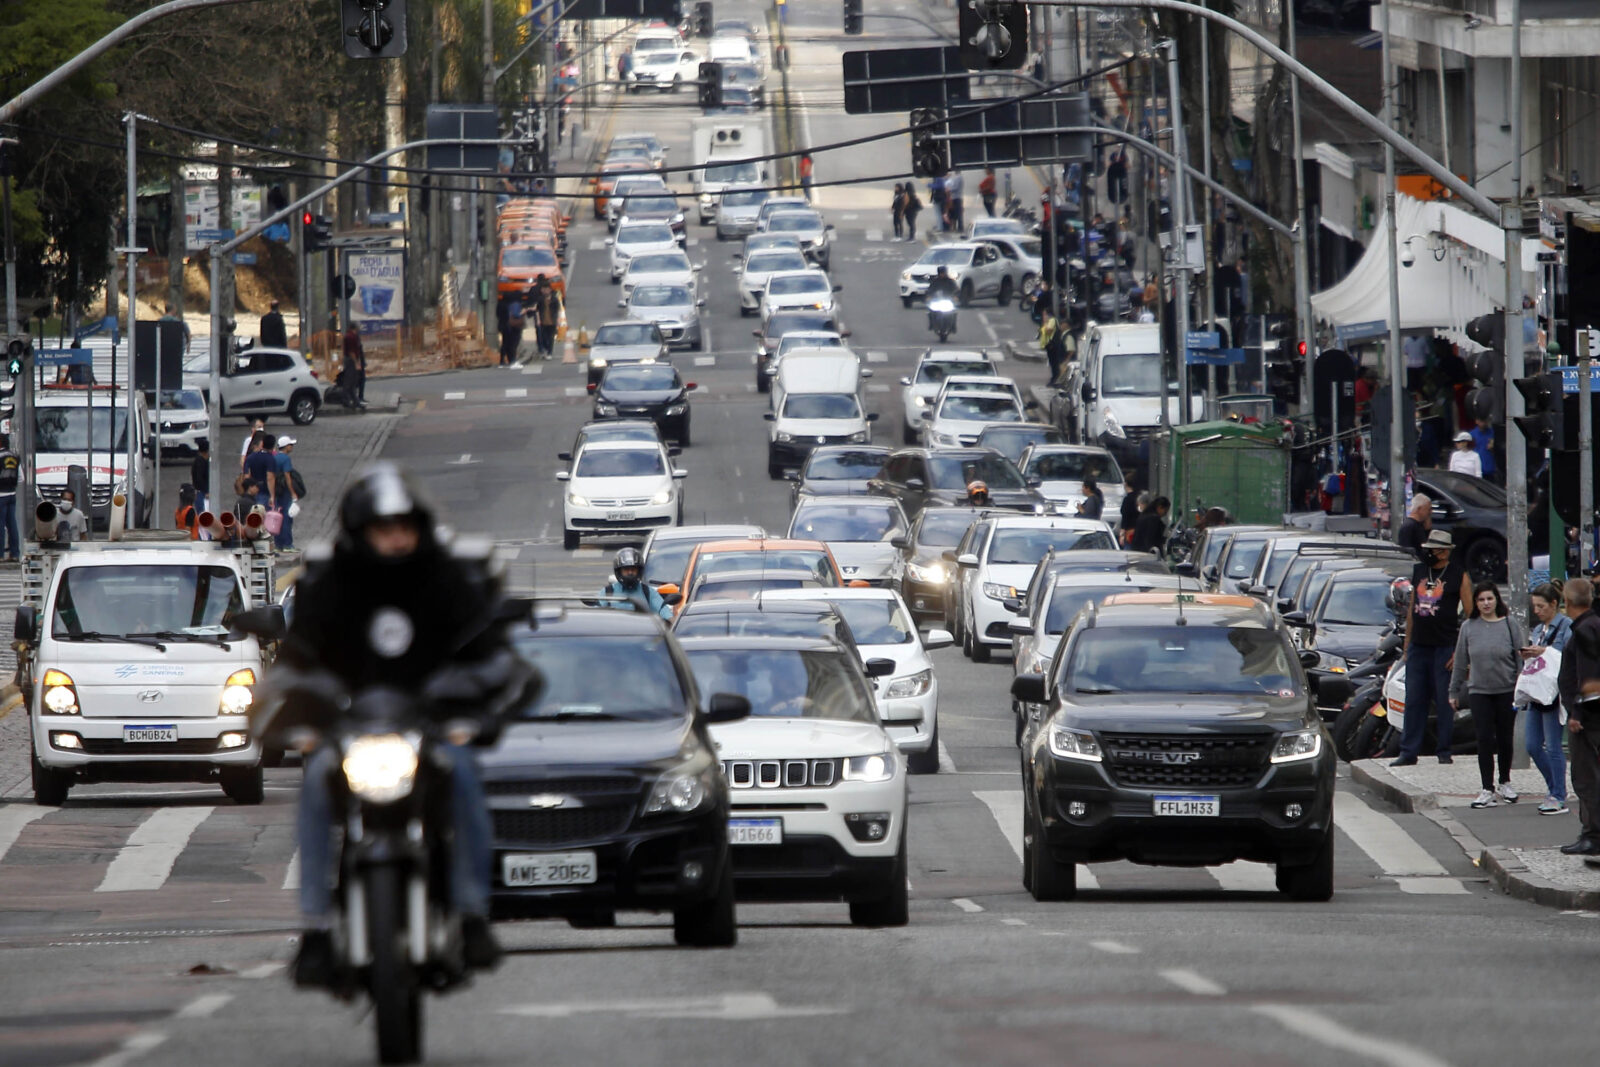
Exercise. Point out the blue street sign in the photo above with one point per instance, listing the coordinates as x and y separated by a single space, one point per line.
63 357
110 322
1358 331
384 218
211 237
245 259
1569 378
1202 339
1216 357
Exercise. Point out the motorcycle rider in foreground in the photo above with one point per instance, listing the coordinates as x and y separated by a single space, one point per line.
941 286
393 606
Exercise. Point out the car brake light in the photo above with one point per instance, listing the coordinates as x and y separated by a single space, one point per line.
313 372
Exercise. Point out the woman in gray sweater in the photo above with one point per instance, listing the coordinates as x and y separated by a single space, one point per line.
1487 662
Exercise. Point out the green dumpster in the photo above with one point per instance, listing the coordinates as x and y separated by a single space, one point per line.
1243 467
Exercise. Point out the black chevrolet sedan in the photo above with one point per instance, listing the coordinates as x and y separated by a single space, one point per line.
608 797
1177 731
646 391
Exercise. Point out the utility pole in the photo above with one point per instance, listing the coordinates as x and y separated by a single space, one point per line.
11 248
1396 359
132 250
1180 229
1515 347
488 254
1208 302
1302 255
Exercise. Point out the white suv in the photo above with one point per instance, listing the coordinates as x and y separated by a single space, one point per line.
997 557
816 786
978 268
260 381
619 487
922 385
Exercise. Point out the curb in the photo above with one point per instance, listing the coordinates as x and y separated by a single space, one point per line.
1029 352
1505 869
1508 874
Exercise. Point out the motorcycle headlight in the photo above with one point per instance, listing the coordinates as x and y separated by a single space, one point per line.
1074 744
1297 745
912 685
932 573
60 695
381 768
663 497
996 591
878 768
577 501
237 694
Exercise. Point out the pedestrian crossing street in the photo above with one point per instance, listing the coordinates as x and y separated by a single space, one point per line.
190 846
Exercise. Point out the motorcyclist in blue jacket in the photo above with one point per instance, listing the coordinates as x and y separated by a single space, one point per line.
626 591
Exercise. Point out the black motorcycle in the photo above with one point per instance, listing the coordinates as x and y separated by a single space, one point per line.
1358 733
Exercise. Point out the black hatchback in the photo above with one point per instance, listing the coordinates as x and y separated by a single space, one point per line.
652 391
608 795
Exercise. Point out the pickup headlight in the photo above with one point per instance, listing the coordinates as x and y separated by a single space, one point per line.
685 788
946 439
663 497
200 424
996 591
577 501
932 573
784 438
879 768
1074 744
905 275
677 409
382 768
60 696
605 409
912 685
678 218
1297 745
598 361
919 401
237 694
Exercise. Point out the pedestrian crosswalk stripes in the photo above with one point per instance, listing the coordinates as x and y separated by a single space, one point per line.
146 860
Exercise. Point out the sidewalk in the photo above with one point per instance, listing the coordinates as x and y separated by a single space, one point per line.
1516 846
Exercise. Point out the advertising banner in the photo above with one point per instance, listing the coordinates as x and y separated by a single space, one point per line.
378 303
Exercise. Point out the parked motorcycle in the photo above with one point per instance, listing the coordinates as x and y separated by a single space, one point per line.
942 316
1357 732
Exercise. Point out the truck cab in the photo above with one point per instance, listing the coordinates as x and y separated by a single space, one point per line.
1114 388
87 426
131 668
718 146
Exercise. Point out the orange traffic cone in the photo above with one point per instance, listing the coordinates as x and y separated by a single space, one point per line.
583 337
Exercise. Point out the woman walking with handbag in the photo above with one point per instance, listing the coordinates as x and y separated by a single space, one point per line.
1488 660
1537 689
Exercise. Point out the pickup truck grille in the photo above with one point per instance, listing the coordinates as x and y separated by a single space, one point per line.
560 826
1186 760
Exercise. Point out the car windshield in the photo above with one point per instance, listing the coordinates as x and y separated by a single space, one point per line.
934 371
832 466
66 429
654 44
793 223
529 257
742 74
809 340
1029 544
640 377
787 683
620 463
877 622
660 262
846 522
644 235
667 561
1132 374
579 674
1179 659
661 296
943 529
1066 600
785 284
768 262
176 399
784 559
821 406
1244 554
730 173
194 600
1215 547
980 409
660 58
992 226
745 197
756 624
1073 467
715 587
1356 603
946 257
1011 442
619 431
1474 492
957 472
649 205
633 333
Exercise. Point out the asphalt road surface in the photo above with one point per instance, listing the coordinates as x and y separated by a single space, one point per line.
152 925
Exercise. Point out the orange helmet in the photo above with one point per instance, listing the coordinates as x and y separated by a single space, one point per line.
978 491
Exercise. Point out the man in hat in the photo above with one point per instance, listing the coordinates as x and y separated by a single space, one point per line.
1440 587
274 334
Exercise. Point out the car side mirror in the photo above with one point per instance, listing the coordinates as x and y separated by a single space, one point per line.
865 372
674 450
755 333
563 476
905 381
610 241
678 473
667 589
902 543
266 623
701 302
915 485
879 667
1212 574
967 559
872 416
1285 603
1186 570
1028 688
567 456
1296 618
937 639
1088 394
1034 481
1020 627
672 600
1258 590
26 627
1310 658
727 707
837 288
769 416
622 303
1243 586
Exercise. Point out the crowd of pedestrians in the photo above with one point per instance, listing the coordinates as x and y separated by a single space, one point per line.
265 483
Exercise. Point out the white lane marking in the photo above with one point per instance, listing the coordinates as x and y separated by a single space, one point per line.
516 394
873 235
1382 838
1192 982
1432 887
966 905
291 877
738 1006
1245 876
1006 807
1325 1031
1115 948
597 244
533 368
131 1049
466 460
876 388
575 390
14 818
737 473
705 361
850 216
455 396
1013 922
877 357
946 764
264 970
201 1007
153 847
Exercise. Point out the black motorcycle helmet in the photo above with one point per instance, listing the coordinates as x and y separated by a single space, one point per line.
628 559
384 491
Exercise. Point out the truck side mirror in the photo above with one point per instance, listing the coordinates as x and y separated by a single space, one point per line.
26 628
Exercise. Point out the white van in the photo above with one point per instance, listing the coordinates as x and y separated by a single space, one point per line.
732 48
1114 386
816 401
87 426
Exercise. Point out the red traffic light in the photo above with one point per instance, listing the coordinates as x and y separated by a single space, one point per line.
1302 347
306 218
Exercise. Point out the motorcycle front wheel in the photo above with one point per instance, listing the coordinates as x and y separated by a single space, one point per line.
396 996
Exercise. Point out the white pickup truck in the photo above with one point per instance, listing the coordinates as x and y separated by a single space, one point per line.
129 665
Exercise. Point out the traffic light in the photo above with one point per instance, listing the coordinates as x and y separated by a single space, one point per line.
710 85
1544 425
930 158
19 350
993 34
1487 400
316 232
373 29
852 17
702 19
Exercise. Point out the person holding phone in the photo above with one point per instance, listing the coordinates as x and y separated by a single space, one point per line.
1488 659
